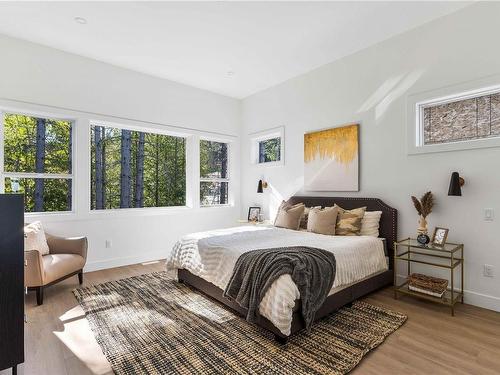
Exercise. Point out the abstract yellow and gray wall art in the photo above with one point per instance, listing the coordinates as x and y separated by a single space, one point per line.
331 159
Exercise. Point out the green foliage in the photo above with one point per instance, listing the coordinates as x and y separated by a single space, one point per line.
213 159
20 145
56 193
164 182
164 166
20 155
270 150
213 165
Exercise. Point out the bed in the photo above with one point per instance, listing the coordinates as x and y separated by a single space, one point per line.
364 264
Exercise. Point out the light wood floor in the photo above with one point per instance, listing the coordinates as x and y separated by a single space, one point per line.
59 340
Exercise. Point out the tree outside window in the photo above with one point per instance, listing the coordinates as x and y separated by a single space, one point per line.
270 150
214 173
38 161
133 169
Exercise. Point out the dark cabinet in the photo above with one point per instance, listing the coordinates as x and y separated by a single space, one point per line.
11 281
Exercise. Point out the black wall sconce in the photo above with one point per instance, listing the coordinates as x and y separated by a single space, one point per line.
456 183
261 186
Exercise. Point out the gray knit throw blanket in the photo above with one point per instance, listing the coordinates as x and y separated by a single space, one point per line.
312 270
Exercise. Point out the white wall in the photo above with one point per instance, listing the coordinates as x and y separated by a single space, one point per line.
36 78
371 87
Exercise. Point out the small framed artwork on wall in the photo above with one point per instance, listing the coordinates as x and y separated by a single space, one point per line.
253 213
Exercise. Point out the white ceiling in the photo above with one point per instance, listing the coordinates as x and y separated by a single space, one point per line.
263 43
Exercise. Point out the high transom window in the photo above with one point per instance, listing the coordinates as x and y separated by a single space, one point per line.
267 147
270 150
460 118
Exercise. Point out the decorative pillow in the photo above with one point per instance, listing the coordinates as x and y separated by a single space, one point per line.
349 221
288 216
303 219
35 238
370 223
322 221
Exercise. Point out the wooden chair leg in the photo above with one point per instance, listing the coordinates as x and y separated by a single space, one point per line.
39 295
80 277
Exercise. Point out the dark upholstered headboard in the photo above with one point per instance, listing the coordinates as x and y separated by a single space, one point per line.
388 222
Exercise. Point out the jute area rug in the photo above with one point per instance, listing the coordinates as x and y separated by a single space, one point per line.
150 324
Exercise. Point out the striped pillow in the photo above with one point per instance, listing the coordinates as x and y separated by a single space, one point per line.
371 223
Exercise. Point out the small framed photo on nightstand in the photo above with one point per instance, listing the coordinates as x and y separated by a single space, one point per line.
439 237
253 213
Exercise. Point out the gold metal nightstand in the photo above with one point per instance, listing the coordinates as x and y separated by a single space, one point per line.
410 251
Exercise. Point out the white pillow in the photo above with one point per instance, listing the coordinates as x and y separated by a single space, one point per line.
35 238
370 223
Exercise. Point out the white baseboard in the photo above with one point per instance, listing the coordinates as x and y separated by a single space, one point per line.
482 300
473 298
124 261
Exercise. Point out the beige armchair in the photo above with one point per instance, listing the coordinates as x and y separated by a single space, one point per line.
67 258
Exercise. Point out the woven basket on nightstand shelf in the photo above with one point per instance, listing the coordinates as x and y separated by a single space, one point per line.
427 284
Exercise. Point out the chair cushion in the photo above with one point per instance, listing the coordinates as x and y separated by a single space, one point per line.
59 265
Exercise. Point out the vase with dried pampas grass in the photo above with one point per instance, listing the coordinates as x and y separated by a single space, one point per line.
424 208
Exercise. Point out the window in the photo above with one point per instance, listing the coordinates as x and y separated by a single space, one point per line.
133 169
214 173
38 161
270 150
267 147
461 119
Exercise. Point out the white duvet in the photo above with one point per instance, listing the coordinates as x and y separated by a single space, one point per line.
212 255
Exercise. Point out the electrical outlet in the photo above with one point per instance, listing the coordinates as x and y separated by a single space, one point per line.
109 244
488 270
489 214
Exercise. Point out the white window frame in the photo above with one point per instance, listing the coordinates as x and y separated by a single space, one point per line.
265 135
418 102
138 128
71 176
81 161
229 172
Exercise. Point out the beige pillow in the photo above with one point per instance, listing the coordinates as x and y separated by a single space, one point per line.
288 216
35 239
349 221
303 219
370 223
322 221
